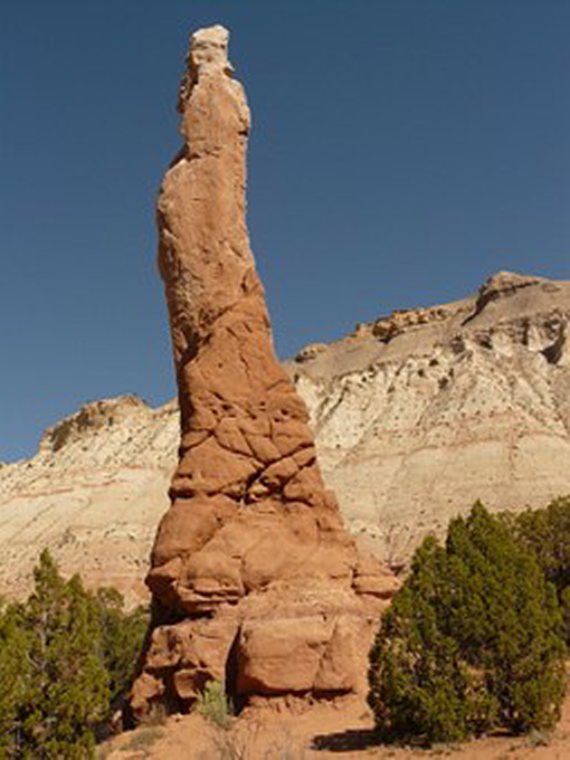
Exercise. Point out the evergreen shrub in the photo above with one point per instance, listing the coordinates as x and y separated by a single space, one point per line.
66 656
546 532
472 641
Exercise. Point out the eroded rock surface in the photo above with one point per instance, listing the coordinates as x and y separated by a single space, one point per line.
418 414
252 554
92 495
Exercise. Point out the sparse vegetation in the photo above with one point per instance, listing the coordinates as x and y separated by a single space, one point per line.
539 738
143 739
65 659
471 642
246 742
213 704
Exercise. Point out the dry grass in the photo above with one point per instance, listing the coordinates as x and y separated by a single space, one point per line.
143 740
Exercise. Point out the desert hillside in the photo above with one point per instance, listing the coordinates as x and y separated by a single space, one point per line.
419 414
416 415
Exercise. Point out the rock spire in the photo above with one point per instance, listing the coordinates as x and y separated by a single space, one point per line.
254 579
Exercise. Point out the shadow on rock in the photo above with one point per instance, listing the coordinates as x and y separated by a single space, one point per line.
346 741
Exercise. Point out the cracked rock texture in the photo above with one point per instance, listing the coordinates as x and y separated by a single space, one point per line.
254 578
415 416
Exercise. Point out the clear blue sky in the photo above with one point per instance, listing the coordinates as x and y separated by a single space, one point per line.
402 151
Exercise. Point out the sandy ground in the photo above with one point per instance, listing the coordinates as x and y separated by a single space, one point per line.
341 730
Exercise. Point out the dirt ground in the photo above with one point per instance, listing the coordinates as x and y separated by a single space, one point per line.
341 730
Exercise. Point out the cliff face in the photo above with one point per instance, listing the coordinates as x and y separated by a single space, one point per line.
419 414
415 416
93 494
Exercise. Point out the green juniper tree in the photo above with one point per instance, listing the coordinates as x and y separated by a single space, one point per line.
65 654
546 532
472 640
121 639
14 678
68 685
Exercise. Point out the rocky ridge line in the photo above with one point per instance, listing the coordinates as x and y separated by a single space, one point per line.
419 414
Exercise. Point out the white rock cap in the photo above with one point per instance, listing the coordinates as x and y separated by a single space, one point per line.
209 49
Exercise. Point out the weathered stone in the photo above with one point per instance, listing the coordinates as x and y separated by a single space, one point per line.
423 412
280 656
338 667
249 509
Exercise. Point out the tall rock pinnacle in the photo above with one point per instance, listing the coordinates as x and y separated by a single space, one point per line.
254 579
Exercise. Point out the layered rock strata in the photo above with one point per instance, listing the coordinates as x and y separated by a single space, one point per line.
418 414
254 579
92 495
